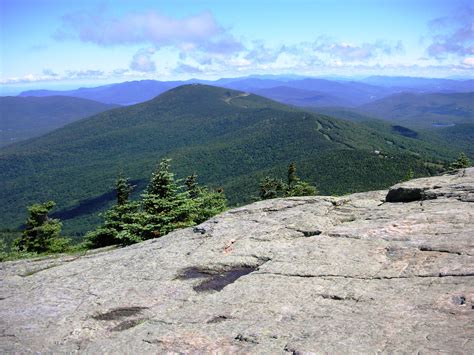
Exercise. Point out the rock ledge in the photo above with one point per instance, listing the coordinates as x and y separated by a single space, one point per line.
311 274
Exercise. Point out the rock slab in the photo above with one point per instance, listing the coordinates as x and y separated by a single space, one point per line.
352 274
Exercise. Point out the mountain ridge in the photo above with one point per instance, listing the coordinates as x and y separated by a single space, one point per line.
349 92
229 138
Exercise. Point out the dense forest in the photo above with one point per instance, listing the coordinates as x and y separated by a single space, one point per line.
230 139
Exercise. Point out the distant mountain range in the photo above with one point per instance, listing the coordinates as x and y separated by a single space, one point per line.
423 110
420 111
26 117
406 83
312 92
231 139
29 116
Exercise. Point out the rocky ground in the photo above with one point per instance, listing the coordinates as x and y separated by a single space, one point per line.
364 273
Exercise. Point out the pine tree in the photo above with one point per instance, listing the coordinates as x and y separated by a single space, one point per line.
192 185
165 206
409 175
297 187
116 220
292 178
208 202
301 188
41 233
123 190
461 162
271 188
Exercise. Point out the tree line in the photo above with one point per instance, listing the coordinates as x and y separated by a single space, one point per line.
165 205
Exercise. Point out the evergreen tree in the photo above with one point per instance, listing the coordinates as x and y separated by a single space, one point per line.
461 162
41 233
208 202
292 178
271 188
123 190
116 220
301 188
165 206
192 185
409 175
297 187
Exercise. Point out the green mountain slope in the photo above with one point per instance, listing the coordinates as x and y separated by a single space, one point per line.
423 110
457 136
229 138
460 135
26 117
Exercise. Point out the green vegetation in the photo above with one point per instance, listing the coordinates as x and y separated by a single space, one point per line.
460 136
164 207
229 138
117 219
272 188
409 175
42 233
461 162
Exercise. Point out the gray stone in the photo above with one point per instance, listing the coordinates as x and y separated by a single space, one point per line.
352 274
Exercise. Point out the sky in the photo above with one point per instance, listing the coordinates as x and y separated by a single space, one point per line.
65 43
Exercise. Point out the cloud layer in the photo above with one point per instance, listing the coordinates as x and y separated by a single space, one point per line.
146 27
453 35
200 45
197 32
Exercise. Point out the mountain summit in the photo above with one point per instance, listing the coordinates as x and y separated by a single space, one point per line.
344 274
231 139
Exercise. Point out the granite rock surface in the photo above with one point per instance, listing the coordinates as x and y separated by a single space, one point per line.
374 272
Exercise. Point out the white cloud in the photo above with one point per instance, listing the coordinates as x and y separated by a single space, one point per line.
197 32
469 62
142 61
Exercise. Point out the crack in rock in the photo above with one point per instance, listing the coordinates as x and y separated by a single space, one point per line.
309 233
438 250
248 339
118 313
337 298
439 275
128 324
217 319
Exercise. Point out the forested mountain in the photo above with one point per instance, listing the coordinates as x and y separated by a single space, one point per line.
231 139
423 110
26 117
460 135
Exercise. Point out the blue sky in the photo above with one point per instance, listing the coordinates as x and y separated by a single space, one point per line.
54 43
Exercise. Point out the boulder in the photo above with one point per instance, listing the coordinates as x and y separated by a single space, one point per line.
351 274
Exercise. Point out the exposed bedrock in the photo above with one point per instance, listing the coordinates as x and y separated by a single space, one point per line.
351 274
